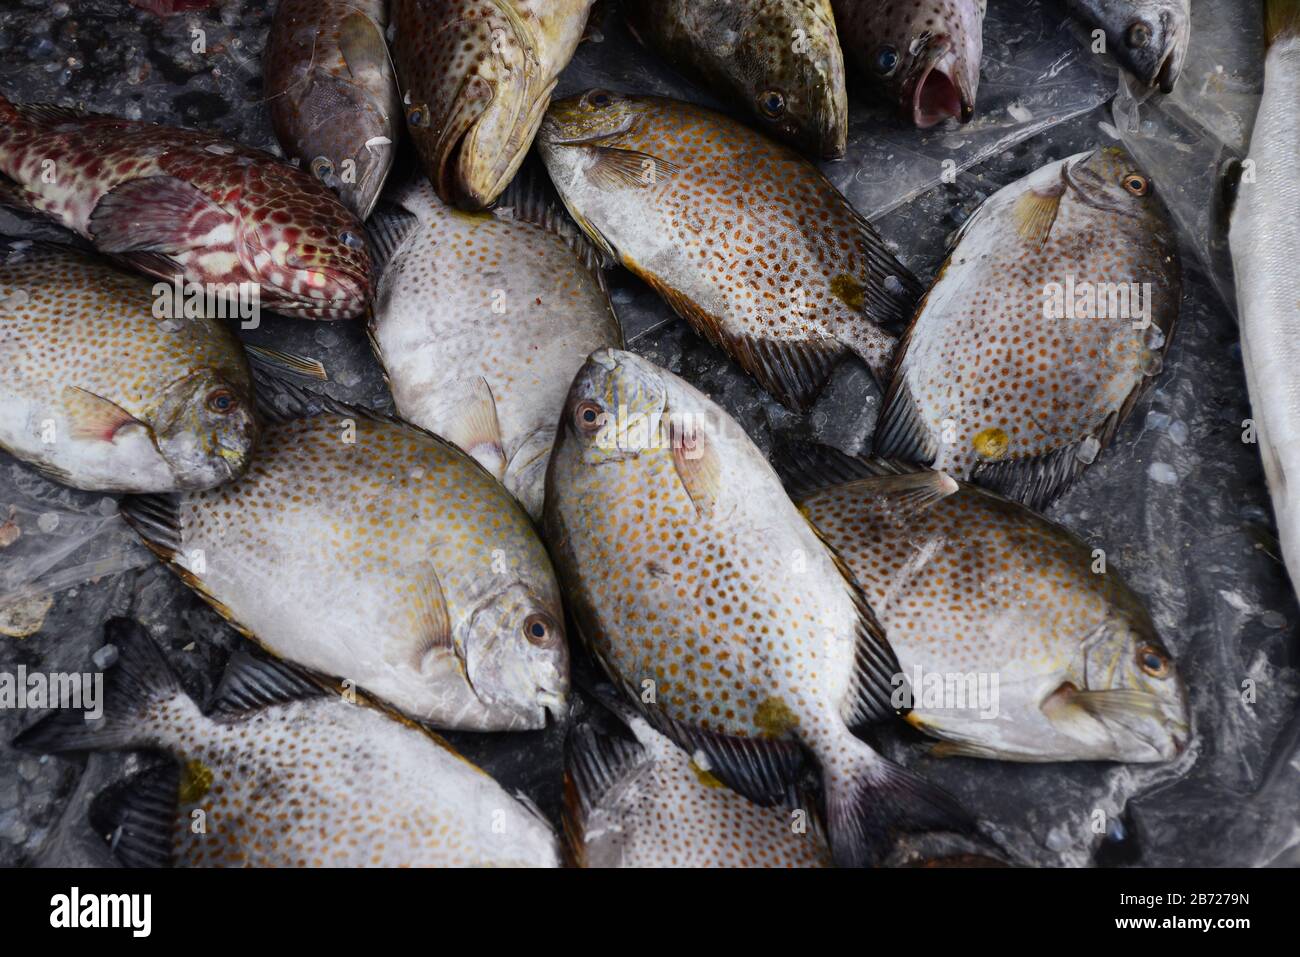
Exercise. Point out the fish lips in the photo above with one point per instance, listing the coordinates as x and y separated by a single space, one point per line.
1171 65
941 88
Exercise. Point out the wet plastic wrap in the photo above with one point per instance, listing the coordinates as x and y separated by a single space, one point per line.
1177 503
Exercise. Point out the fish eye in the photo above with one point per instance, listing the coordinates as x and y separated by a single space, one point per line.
538 629
1137 184
1153 661
1138 35
418 116
322 168
221 401
886 60
587 415
772 104
598 99
351 239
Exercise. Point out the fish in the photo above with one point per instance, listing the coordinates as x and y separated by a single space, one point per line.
1264 238
277 772
740 235
641 801
922 55
481 321
1048 321
476 79
99 393
779 60
1148 37
332 93
175 202
1028 646
362 548
713 604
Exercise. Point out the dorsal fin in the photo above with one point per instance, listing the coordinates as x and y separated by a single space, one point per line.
251 683
531 198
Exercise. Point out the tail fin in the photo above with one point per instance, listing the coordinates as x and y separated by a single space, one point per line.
872 800
140 679
1281 20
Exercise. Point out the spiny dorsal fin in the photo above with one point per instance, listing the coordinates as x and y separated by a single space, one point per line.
251 683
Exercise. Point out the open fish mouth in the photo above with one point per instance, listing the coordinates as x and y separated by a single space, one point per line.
939 92
1170 67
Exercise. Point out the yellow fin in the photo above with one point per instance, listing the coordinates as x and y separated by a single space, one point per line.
1035 214
698 467
92 416
477 430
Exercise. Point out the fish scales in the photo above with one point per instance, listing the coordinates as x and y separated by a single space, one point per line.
173 201
742 236
445 603
484 319
99 393
1003 377
708 597
779 60
969 584
333 93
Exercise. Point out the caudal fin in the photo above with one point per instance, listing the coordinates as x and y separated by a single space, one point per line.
140 679
870 801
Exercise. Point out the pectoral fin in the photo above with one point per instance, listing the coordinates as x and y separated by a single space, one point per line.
92 416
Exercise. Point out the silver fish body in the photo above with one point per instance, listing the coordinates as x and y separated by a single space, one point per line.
1265 242
481 321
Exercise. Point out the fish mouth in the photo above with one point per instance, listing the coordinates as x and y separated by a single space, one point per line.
940 92
1171 67
549 134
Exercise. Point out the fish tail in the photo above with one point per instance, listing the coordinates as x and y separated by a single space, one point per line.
139 681
1281 20
870 801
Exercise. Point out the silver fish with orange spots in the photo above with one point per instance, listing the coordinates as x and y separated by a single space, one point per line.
1047 322
923 55
280 773
1148 37
481 320
99 393
641 801
176 202
365 549
713 603
476 78
742 236
779 60
1019 642
332 93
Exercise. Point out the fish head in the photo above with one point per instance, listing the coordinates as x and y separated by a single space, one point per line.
347 138
615 407
795 87
314 262
475 94
597 117
516 657
927 58
1149 37
205 426
1132 705
1109 179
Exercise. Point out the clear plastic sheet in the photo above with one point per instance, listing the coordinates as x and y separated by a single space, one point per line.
1177 502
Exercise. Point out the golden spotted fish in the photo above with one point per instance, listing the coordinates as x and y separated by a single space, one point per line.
481 321
332 93
1047 322
924 55
278 773
713 603
477 77
641 801
742 236
779 60
365 549
1018 640
99 392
